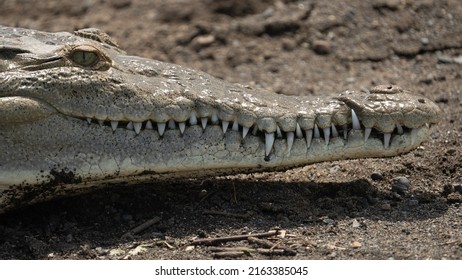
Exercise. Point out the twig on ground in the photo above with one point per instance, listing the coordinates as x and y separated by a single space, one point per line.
262 242
247 251
142 227
214 240
231 254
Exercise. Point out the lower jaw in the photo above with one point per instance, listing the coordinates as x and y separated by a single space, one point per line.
200 151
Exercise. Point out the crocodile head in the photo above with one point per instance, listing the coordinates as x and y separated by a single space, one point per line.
76 110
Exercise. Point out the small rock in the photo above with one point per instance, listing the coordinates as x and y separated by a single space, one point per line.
322 47
328 221
202 41
427 80
400 185
356 244
100 251
138 250
458 59
376 176
392 5
116 252
120 4
350 80
386 206
356 224
189 248
447 59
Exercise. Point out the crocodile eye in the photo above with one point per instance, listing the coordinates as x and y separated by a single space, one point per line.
85 58
89 57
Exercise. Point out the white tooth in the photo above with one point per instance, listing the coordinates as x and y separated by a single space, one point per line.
386 140
327 134
309 137
204 122
334 131
161 128
290 140
235 126
298 131
367 133
278 132
137 127
171 124
100 122
355 120
130 126
345 131
224 125
399 129
193 119
413 136
317 134
214 118
114 125
149 125
245 130
269 141
255 130
182 126
89 120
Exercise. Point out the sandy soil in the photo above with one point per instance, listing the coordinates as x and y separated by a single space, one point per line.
334 210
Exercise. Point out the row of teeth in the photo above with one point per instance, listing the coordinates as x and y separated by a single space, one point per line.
269 137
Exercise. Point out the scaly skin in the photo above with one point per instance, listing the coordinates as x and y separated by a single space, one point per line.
76 111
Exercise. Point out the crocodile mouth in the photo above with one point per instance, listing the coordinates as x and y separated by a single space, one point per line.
326 134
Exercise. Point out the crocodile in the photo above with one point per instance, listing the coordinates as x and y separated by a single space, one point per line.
77 112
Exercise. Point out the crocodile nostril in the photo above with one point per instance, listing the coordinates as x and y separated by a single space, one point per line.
421 100
390 87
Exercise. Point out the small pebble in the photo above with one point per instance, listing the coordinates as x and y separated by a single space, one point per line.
189 248
356 244
356 224
400 185
386 206
202 41
116 252
322 47
328 221
376 176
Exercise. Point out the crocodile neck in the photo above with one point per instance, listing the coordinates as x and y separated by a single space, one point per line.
76 110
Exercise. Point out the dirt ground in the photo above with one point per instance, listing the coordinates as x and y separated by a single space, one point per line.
333 210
